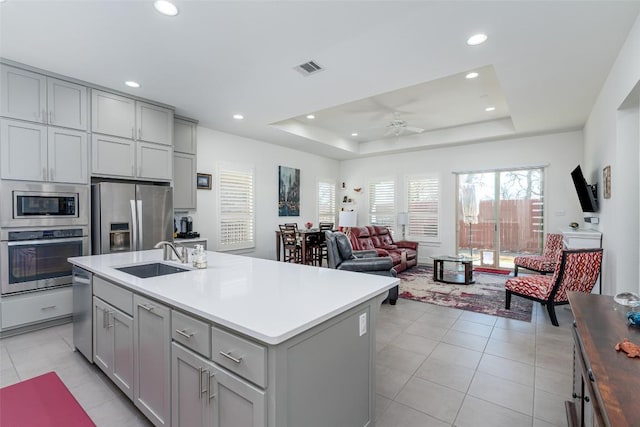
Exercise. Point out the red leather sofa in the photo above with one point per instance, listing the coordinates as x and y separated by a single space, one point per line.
404 254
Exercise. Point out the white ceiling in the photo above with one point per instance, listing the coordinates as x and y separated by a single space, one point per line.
542 66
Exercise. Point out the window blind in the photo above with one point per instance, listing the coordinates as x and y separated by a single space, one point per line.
382 203
236 208
326 201
423 197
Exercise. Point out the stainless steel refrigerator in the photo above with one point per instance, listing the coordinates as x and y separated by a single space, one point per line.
130 217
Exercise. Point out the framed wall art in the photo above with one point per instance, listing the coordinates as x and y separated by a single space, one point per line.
606 182
288 191
203 181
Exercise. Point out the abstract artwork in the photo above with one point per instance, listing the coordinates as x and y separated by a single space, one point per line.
606 177
289 191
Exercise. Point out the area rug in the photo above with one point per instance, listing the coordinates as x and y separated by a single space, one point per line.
485 296
42 401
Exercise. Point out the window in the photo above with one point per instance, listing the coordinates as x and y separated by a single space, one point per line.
326 201
423 206
236 207
382 203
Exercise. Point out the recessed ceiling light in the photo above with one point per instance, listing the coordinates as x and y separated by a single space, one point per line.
472 75
165 7
354 134
490 109
311 116
477 39
131 83
238 116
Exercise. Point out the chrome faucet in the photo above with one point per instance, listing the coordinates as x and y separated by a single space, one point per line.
168 247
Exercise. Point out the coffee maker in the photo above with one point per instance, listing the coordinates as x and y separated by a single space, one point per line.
186 228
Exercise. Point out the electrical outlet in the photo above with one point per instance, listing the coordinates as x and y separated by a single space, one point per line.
363 324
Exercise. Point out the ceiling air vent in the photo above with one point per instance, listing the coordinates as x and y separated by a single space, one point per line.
309 68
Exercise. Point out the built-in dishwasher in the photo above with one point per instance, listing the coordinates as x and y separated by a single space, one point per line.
82 285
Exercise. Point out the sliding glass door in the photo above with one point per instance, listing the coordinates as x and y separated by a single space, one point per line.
500 215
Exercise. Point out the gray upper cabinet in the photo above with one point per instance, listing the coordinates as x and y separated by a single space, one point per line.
23 94
112 156
34 152
66 104
113 114
36 98
184 181
184 136
127 118
155 124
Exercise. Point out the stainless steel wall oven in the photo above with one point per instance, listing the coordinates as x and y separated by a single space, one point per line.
35 259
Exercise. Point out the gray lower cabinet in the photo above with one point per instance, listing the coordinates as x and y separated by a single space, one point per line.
113 344
152 359
207 395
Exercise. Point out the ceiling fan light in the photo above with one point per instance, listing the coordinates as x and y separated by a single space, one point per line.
165 7
477 39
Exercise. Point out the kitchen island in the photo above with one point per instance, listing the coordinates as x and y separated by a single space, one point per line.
244 342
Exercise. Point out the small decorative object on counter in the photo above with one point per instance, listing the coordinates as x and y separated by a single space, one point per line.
308 224
628 347
634 318
199 257
574 225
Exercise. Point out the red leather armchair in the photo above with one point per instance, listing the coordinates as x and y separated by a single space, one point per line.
404 253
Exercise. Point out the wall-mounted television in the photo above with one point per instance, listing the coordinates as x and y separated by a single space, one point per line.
588 194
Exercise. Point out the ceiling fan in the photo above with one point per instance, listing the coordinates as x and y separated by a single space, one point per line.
397 126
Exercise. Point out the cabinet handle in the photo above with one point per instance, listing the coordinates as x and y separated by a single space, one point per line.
184 333
49 307
200 382
109 324
211 395
591 377
230 357
147 307
203 390
586 399
105 318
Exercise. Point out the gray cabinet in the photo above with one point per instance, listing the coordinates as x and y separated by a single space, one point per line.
23 94
152 361
154 161
184 136
113 344
36 152
184 181
205 395
30 96
124 117
121 157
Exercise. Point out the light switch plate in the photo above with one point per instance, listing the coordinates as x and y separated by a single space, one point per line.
363 324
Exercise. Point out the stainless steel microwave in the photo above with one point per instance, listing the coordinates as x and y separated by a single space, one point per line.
25 204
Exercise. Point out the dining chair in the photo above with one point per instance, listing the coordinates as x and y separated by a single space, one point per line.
578 271
290 244
322 249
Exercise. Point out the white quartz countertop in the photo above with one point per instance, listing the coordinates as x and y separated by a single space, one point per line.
267 300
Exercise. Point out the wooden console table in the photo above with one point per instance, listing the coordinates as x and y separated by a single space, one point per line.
607 383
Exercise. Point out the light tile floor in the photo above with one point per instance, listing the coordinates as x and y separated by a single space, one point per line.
436 366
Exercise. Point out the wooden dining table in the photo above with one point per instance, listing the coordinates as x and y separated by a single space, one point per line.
304 235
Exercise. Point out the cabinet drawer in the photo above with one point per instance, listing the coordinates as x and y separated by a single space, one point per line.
36 307
245 358
113 294
191 333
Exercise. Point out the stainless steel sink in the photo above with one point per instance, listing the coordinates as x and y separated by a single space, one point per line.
151 270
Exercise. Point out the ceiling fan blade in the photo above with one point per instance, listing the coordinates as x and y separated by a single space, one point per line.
414 129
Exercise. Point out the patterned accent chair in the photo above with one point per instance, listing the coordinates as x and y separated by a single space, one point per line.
579 269
545 263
